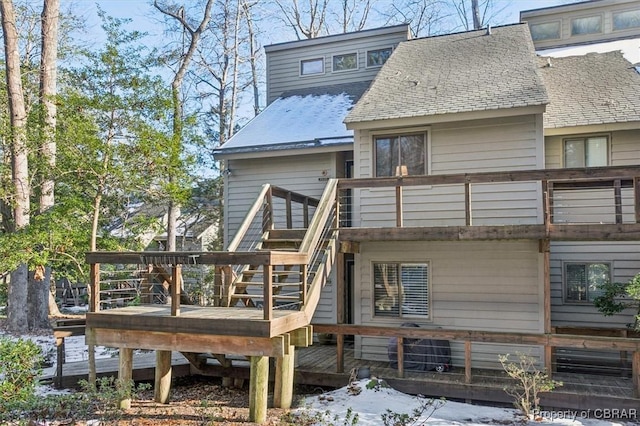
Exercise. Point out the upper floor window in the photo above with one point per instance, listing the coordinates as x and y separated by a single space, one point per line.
345 62
377 58
400 155
401 289
545 31
586 151
312 66
584 281
626 19
586 25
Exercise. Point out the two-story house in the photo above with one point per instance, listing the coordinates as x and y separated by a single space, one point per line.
460 183
483 248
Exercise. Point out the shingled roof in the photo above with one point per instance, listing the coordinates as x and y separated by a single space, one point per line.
596 88
463 72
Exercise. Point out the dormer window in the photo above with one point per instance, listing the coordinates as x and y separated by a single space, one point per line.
377 58
312 66
626 20
345 62
545 31
586 25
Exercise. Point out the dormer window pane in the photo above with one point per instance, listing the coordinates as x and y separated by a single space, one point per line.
627 19
345 62
312 66
376 58
588 25
545 31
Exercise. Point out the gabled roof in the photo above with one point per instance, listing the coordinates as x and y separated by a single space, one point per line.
299 119
463 72
596 88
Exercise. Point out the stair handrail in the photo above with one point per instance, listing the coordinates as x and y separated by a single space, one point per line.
316 226
249 217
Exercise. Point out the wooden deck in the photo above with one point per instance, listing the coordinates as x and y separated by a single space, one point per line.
316 366
219 321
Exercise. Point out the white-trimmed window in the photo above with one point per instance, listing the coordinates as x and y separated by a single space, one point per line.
346 62
312 66
590 151
401 289
377 57
400 154
586 25
583 281
545 31
626 19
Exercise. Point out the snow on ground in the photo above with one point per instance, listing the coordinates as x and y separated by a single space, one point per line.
368 398
370 402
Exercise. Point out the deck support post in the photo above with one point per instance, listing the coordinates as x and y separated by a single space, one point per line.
636 374
283 387
125 374
162 384
258 389
400 350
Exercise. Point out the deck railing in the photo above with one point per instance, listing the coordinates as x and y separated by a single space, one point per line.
538 204
548 341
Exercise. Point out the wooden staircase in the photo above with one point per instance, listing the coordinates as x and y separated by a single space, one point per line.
288 280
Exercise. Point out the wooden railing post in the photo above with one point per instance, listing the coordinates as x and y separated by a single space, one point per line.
636 197
340 353
288 210
94 287
267 213
400 350
305 212
399 213
176 284
617 195
267 271
467 204
467 361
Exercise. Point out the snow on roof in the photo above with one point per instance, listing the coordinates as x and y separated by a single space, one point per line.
295 122
630 49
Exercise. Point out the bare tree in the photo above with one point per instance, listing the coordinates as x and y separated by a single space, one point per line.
17 297
425 17
476 14
253 53
307 22
353 14
194 34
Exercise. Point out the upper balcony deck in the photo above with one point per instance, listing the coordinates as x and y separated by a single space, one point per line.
600 203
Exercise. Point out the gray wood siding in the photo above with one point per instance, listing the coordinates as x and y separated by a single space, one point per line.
470 296
283 66
624 149
624 258
512 143
302 173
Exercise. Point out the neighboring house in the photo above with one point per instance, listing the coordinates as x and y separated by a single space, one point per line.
583 23
467 103
196 230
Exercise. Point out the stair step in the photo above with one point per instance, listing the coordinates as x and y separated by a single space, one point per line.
260 283
260 297
296 233
259 271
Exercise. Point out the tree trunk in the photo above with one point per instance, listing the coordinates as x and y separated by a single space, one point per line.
39 290
38 298
17 300
475 11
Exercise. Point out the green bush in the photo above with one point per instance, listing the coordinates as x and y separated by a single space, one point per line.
19 371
